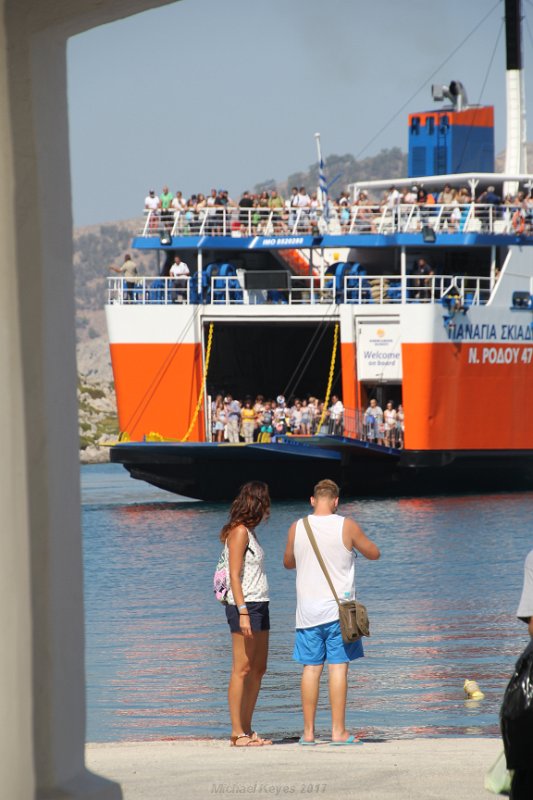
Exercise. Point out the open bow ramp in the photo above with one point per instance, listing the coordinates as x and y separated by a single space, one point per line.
291 467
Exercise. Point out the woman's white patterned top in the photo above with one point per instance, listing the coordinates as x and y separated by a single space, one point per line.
253 578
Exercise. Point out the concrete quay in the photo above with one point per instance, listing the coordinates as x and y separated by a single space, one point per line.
411 769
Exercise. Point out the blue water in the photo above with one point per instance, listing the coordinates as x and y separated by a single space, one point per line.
441 600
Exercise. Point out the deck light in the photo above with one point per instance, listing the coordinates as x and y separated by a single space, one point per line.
165 238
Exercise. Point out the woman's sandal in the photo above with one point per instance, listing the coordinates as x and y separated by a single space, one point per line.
254 736
250 743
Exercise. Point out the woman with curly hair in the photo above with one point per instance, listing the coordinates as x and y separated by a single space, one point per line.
246 608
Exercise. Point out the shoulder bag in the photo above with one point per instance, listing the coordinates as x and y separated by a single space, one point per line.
353 616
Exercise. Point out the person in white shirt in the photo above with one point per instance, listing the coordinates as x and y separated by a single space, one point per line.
151 201
179 207
392 202
336 416
393 197
293 204
410 195
211 206
303 199
178 202
180 271
152 205
318 635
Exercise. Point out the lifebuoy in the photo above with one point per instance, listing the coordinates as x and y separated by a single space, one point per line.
518 221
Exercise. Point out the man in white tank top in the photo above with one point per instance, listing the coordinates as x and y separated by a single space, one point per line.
318 635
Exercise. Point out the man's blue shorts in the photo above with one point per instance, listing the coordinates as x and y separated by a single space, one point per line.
313 646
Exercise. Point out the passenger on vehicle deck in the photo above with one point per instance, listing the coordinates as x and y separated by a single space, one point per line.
389 417
336 416
233 411
374 422
248 422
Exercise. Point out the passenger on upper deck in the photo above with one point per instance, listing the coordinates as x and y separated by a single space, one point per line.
304 204
489 197
178 203
151 201
392 198
276 206
343 203
293 202
447 196
365 221
223 203
165 200
275 201
151 205
410 195
313 213
211 204
463 195
246 204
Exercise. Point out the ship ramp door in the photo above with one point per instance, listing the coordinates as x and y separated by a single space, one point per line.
272 358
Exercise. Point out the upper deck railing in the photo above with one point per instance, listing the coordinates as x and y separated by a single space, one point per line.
354 220
298 290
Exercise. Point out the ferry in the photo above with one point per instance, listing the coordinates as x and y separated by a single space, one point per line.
323 303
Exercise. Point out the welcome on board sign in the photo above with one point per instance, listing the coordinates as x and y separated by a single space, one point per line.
379 352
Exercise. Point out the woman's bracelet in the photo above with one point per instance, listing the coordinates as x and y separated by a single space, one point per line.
242 606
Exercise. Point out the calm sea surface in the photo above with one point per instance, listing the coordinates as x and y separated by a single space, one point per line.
442 601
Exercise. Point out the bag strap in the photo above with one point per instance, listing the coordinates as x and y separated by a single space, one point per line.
318 554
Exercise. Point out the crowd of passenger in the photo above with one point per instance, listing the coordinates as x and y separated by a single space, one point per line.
301 211
452 201
384 427
262 420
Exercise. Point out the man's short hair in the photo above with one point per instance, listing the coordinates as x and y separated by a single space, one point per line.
326 488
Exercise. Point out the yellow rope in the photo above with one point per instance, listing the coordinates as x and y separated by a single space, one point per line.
330 379
204 378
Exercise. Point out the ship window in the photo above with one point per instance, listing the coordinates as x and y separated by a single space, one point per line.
415 125
271 359
431 125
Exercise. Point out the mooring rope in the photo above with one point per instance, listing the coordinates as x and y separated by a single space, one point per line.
330 378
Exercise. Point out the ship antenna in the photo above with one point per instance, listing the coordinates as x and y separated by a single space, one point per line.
516 149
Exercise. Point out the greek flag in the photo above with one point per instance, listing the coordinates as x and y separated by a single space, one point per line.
323 186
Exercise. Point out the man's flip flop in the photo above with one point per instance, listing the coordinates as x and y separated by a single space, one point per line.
303 741
350 740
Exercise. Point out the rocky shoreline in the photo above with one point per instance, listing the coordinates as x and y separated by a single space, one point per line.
97 419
